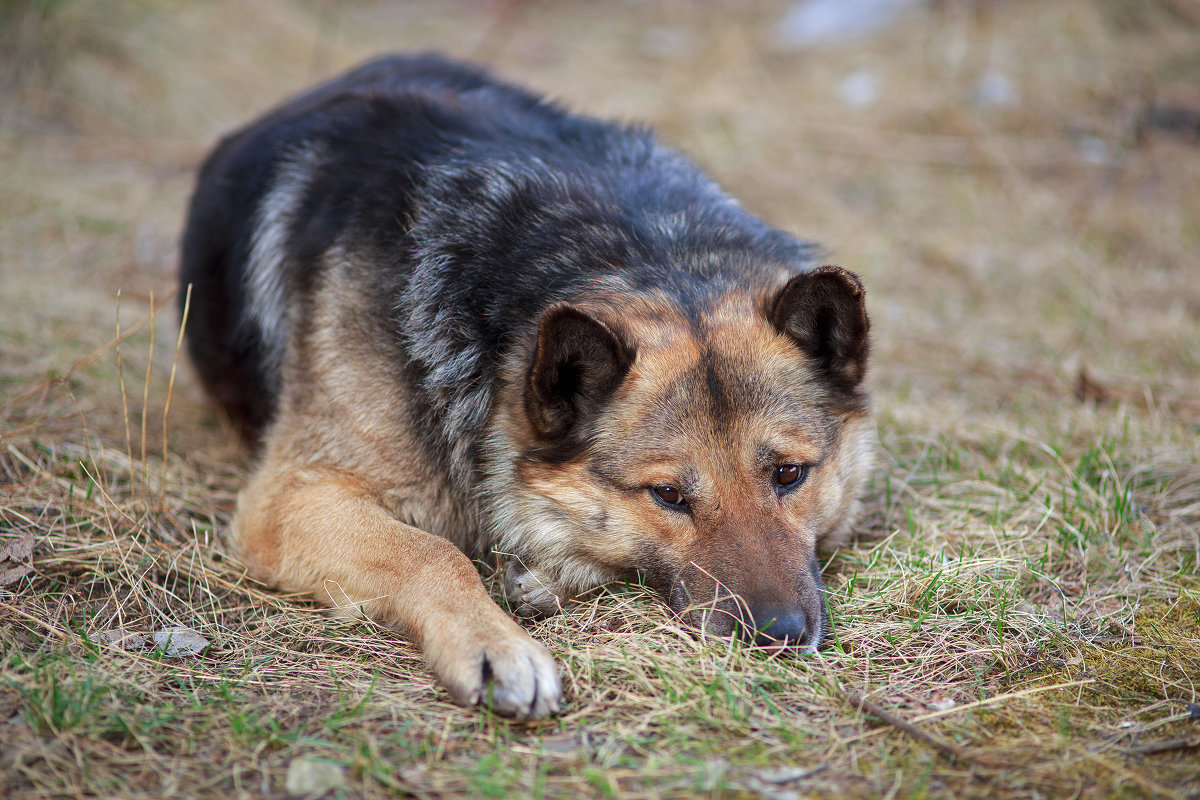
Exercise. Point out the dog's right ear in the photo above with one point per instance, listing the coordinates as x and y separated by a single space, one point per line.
578 362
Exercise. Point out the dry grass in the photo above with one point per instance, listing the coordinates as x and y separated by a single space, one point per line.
1020 616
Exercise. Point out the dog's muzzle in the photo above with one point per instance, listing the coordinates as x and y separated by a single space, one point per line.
794 619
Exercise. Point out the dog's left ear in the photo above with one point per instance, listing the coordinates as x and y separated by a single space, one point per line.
579 361
825 312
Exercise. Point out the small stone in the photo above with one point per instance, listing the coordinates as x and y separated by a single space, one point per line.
1096 151
995 90
859 89
810 22
308 777
560 746
782 775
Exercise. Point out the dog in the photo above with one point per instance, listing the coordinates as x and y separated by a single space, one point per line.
454 317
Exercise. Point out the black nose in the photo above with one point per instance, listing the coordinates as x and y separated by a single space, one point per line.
778 626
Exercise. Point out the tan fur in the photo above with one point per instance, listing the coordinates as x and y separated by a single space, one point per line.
323 514
345 506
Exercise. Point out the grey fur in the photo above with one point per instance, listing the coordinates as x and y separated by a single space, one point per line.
265 267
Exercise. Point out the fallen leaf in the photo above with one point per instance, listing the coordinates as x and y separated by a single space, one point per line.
18 549
120 638
17 552
14 574
176 641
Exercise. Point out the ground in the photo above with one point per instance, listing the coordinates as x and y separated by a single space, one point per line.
1018 183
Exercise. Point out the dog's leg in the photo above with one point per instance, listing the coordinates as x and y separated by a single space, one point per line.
322 531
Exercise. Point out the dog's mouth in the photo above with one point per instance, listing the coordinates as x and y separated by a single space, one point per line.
794 624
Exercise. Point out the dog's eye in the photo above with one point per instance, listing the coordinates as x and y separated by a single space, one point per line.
789 476
670 496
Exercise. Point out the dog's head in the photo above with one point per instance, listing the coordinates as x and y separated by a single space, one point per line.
710 447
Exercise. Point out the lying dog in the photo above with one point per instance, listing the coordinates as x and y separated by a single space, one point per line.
456 317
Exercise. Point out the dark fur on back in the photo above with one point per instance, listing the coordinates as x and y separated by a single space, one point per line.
482 203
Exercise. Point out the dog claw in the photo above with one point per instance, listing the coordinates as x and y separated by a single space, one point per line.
511 674
531 591
526 690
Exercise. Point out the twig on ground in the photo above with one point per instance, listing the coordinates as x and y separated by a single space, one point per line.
953 752
1165 746
874 709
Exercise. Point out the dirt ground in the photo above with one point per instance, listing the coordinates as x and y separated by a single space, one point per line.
1018 184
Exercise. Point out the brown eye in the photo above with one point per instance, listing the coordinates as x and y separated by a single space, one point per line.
789 476
670 496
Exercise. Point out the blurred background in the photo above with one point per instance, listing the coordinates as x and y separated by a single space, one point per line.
1018 181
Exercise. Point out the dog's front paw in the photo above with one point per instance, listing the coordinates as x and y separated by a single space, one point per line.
498 666
532 592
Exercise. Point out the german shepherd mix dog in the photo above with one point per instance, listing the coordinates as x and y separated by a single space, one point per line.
456 317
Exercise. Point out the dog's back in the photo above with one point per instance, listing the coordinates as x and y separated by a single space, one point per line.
437 165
